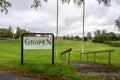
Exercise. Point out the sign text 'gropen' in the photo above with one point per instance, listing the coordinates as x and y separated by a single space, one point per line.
37 42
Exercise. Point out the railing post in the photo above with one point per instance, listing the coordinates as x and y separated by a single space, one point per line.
94 57
69 58
109 58
63 55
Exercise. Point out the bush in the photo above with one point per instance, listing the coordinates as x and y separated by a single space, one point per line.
85 38
113 43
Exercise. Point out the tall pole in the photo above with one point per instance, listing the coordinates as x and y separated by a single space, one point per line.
83 29
57 32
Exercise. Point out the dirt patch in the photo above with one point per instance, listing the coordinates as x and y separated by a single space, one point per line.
99 70
85 67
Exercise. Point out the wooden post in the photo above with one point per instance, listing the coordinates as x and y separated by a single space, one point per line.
94 57
109 58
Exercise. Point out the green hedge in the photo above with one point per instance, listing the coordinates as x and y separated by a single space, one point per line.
113 43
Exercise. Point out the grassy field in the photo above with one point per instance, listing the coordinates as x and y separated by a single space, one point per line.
90 46
39 61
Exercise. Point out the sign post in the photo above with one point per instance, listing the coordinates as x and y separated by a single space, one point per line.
37 42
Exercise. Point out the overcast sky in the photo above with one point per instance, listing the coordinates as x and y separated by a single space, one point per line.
70 17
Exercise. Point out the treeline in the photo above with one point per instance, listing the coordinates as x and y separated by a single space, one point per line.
9 33
103 36
76 38
99 36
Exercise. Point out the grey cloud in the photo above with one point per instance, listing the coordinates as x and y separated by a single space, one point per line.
70 17
21 5
71 20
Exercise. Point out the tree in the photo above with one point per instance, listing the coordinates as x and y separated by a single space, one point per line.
36 4
18 33
79 2
96 38
97 33
10 30
89 36
112 36
104 31
104 35
68 37
64 37
117 23
118 37
5 33
77 38
85 38
101 36
4 5
72 37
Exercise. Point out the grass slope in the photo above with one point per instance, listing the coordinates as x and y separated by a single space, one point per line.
90 46
39 61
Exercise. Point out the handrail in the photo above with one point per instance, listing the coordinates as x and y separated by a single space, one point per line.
64 53
99 51
68 50
94 52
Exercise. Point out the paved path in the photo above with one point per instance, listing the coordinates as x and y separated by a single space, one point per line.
10 76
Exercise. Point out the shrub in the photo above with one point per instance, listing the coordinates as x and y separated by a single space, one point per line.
113 43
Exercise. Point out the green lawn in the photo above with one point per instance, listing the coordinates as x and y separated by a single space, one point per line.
90 46
39 61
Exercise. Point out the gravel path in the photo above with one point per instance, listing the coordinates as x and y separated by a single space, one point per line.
10 76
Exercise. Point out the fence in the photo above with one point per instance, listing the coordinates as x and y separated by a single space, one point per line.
95 52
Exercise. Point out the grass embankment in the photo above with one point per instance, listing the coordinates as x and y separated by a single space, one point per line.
90 46
39 61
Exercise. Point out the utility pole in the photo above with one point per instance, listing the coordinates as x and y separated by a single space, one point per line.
83 29
57 31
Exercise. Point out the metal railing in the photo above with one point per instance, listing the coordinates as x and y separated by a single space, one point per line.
94 52
63 55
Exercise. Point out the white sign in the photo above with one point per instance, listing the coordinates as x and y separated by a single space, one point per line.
37 43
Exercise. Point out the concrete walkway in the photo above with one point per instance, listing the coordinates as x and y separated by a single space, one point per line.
10 76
